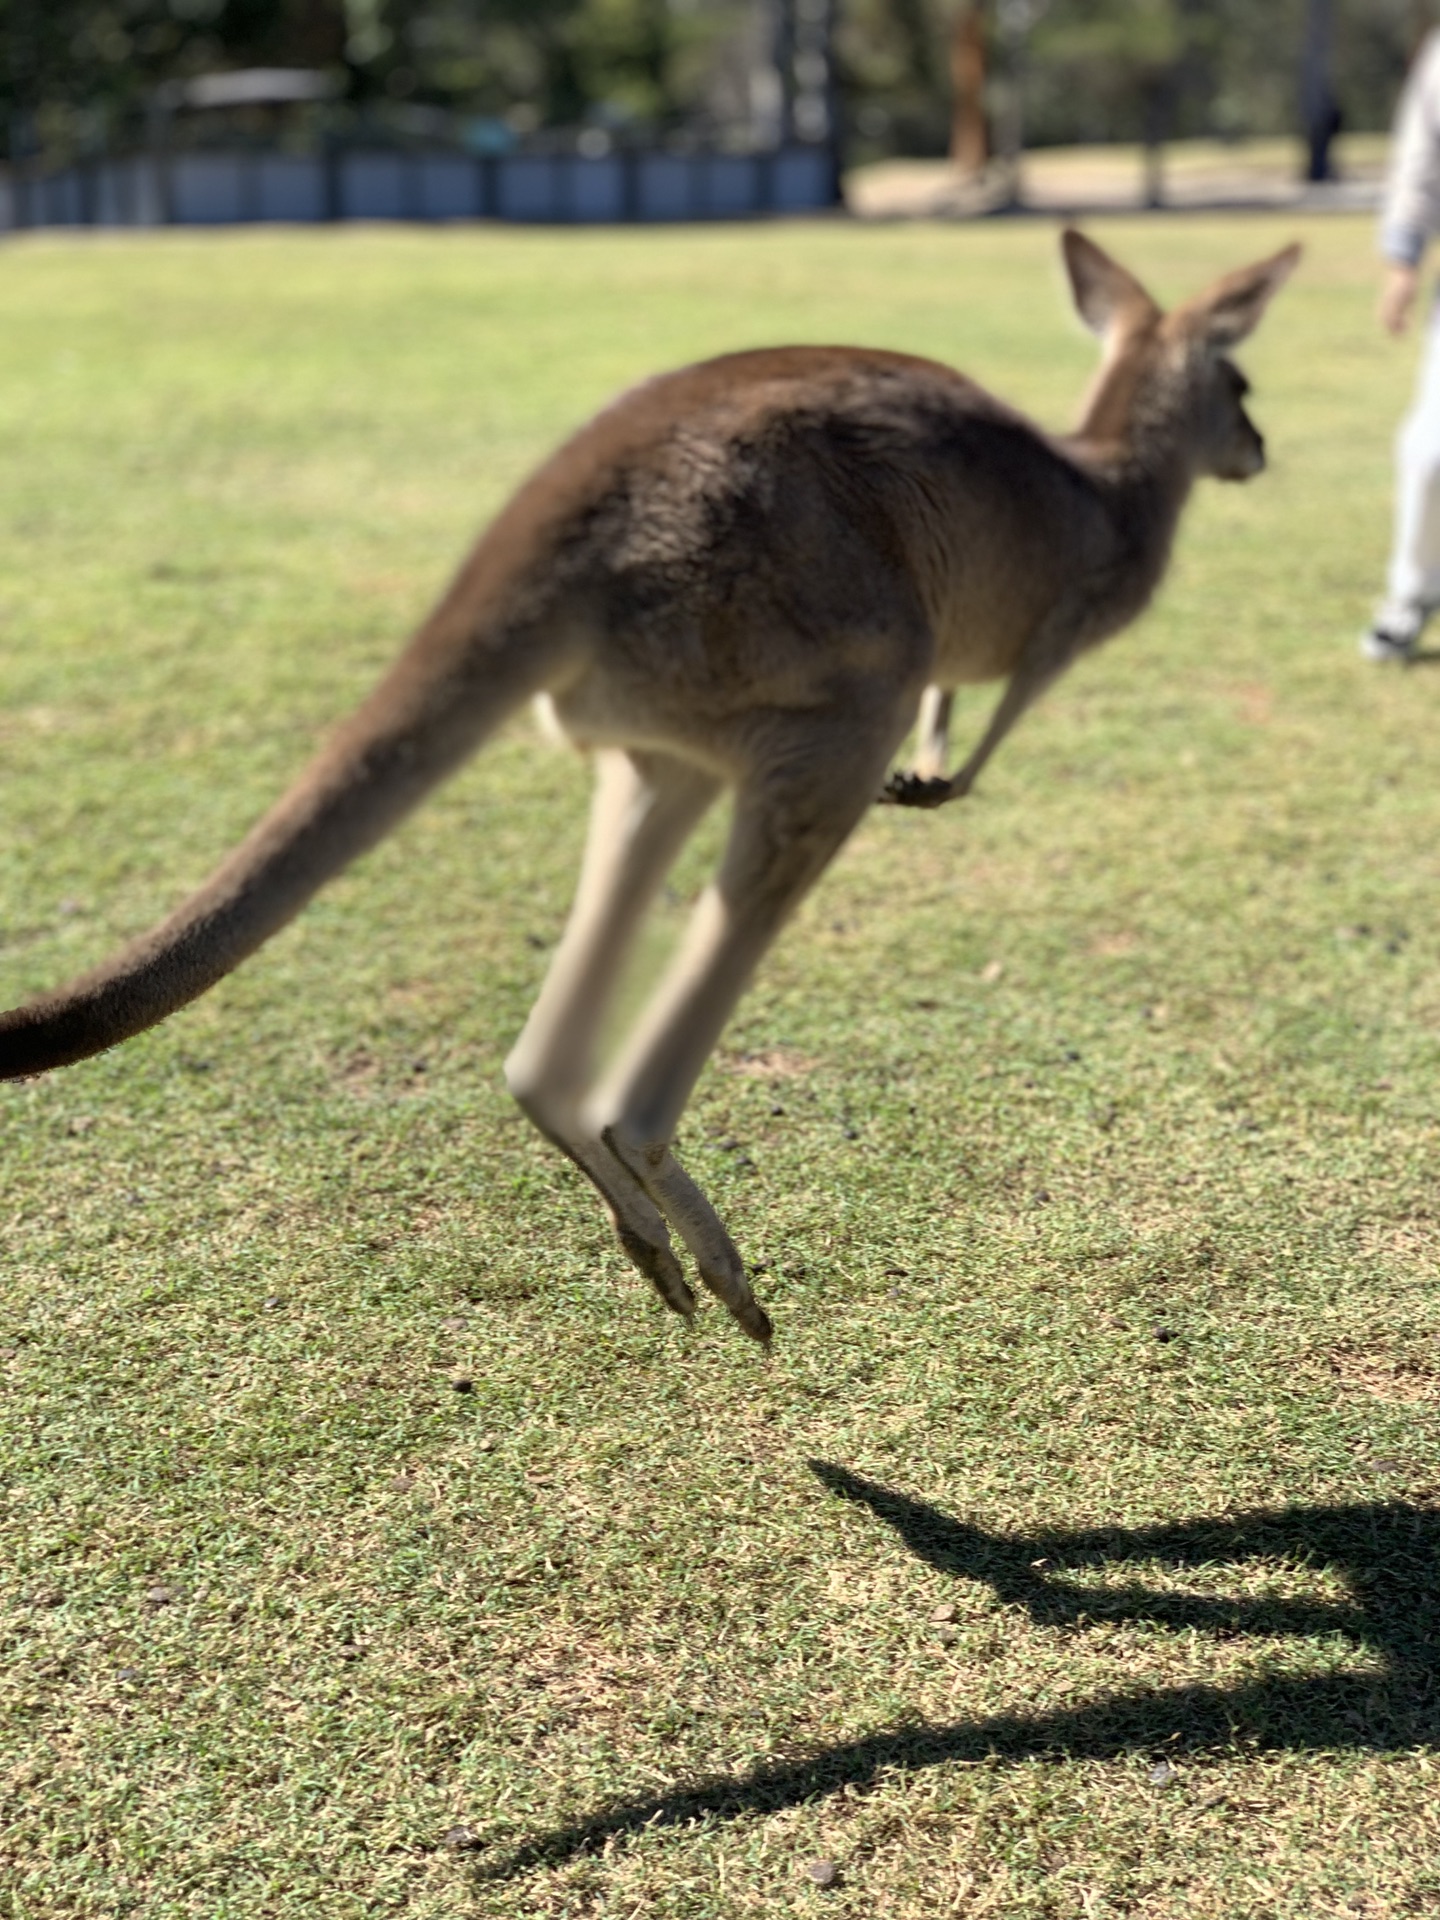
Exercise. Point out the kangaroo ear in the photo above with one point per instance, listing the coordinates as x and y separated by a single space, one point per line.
1233 308
1103 290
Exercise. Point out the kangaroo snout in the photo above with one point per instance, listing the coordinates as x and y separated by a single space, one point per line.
1244 460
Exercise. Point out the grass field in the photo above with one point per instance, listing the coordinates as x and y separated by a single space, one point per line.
370 1543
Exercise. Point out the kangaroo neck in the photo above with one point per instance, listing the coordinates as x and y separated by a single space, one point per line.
1136 442
1145 488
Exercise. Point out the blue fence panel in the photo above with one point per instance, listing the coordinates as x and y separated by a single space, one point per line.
112 201
527 187
224 188
733 185
666 186
373 187
207 189
597 188
448 187
802 179
58 201
290 187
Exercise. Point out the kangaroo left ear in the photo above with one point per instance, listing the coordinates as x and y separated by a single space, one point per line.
1103 291
1233 308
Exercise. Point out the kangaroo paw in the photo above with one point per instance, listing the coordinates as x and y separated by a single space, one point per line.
913 790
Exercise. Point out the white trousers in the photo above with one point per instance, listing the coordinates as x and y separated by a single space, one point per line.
1414 580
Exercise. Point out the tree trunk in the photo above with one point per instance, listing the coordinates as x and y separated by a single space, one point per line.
783 56
319 33
1010 127
969 137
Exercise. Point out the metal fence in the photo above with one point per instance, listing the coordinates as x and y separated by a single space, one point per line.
220 188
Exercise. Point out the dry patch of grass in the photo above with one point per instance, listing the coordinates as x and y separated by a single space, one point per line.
767 1063
1409 1379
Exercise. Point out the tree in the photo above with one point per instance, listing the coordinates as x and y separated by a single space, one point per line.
74 73
1131 51
969 132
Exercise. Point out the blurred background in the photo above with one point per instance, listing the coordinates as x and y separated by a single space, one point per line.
905 105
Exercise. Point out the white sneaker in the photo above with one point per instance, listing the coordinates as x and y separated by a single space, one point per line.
1394 633
1381 643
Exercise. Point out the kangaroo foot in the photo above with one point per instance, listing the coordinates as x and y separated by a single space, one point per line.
720 1276
691 1215
638 1224
659 1266
754 1320
914 790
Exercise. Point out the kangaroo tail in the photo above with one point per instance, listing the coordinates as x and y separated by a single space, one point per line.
446 693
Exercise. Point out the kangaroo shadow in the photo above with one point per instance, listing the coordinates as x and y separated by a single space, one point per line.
1387 1557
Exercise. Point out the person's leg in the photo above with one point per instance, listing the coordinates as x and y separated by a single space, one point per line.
1413 586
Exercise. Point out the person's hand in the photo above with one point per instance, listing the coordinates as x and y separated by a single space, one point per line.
1397 297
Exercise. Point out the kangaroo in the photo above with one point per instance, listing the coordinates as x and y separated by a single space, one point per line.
749 573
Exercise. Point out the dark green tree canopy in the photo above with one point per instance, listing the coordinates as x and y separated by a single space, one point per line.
74 73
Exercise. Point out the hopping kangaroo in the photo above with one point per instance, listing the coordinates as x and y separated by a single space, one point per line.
747 574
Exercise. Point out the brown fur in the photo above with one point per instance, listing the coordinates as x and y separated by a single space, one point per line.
746 573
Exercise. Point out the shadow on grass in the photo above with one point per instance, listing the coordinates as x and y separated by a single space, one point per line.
1388 1556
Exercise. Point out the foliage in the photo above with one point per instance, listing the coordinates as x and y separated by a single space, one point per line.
1094 69
1085 1132
83 73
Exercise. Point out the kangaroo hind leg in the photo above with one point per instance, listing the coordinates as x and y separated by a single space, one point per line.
780 841
645 807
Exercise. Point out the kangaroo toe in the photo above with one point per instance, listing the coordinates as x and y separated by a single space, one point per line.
660 1267
753 1319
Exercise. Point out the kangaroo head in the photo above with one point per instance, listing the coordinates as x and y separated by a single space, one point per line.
1171 374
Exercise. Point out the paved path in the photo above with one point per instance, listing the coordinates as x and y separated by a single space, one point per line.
1092 180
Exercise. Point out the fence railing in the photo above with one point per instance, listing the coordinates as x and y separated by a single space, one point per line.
218 188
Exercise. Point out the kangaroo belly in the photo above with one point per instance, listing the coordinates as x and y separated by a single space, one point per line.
985 644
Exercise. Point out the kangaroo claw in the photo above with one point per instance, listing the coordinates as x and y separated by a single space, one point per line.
912 790
660 1268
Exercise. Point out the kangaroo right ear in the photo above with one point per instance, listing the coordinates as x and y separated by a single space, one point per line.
1102 289
1232 309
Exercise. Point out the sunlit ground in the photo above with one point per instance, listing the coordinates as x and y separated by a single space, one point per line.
1192 173
1077 1551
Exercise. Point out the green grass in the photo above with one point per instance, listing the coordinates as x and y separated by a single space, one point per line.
1071 1619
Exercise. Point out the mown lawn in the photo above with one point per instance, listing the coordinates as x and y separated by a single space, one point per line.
1077 1551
